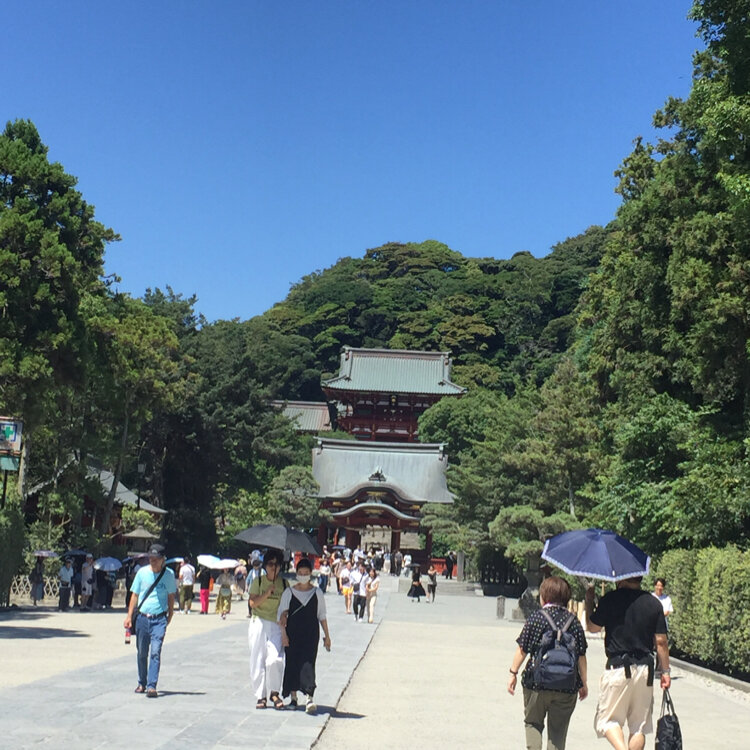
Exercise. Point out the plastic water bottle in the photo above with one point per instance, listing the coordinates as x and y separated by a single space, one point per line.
127 635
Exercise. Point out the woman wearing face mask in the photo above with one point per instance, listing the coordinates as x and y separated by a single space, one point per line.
264 633
302 612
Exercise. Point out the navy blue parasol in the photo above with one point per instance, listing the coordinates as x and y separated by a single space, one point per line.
596 553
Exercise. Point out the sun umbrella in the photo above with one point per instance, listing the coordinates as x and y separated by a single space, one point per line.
596 553
75 553
175 560
208 561
225 563
108 564
279 537
45 553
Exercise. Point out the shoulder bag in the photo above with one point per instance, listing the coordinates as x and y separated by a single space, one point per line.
134 619
668 734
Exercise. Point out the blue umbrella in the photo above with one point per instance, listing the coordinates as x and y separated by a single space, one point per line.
596 553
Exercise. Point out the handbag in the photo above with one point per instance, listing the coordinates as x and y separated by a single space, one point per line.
134 619
668 734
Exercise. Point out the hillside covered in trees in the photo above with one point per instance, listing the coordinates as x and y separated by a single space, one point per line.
608 381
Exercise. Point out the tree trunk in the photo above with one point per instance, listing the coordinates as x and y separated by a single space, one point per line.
23 468
117 472
571 497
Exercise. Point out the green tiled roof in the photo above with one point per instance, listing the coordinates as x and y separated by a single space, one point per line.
415 472
308 416
395 371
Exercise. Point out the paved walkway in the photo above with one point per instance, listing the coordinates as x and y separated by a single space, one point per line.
205 699
434 675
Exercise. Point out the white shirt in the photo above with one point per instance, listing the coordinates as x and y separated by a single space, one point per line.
355 577
187 574
304 597
374 583
666 602
66 575
363 584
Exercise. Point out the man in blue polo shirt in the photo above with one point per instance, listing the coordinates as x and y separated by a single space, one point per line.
155 604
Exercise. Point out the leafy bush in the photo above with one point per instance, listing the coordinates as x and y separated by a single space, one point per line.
710 589
12 540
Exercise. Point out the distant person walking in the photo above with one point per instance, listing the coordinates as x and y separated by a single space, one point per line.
240 579
398 560
36 579
450 562
347 585
264 633
204 581
372 586
634 626
224 597
359 584
325 574
553 706
407 565
187 582
154 588
302 613
666 600
431 583
65 576
416 591
87 583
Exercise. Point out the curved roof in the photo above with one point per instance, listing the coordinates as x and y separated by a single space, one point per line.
308 416
414 472
378 508
394 371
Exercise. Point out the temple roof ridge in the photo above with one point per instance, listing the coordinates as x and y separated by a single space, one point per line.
394 371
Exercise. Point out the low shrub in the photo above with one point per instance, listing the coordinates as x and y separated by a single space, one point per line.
710 590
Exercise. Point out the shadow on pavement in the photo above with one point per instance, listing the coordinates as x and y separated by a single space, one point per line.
167 693
336 714
40 632
23 614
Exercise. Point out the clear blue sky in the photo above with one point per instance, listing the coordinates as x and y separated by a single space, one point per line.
237 146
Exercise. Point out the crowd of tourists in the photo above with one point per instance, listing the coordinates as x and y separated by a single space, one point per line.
80 584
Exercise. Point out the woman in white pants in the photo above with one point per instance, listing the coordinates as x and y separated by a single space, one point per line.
264 633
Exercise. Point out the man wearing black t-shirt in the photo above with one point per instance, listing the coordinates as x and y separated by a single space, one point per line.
634 626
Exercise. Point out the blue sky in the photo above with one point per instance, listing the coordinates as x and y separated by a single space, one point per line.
237 146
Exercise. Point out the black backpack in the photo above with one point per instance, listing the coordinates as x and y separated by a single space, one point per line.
555 664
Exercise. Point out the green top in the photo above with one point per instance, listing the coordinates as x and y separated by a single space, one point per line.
268 610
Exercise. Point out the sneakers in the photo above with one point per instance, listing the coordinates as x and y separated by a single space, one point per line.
310 706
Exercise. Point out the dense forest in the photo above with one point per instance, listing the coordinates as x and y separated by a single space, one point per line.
608 381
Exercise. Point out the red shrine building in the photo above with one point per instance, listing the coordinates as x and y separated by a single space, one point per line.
383 478
364 484
379 394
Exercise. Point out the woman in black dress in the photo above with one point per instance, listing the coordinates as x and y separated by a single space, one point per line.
302 612
417 589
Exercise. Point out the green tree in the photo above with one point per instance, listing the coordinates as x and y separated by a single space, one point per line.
51 262
293 499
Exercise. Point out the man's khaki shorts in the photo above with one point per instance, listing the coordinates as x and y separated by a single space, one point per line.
624 700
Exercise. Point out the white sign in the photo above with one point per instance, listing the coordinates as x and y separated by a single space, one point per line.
10 435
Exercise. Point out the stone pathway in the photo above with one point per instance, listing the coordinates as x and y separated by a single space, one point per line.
434 676
204 702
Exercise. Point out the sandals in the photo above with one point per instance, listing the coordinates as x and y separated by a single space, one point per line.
278 704
261 703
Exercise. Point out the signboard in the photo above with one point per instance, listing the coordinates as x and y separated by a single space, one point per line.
11 431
